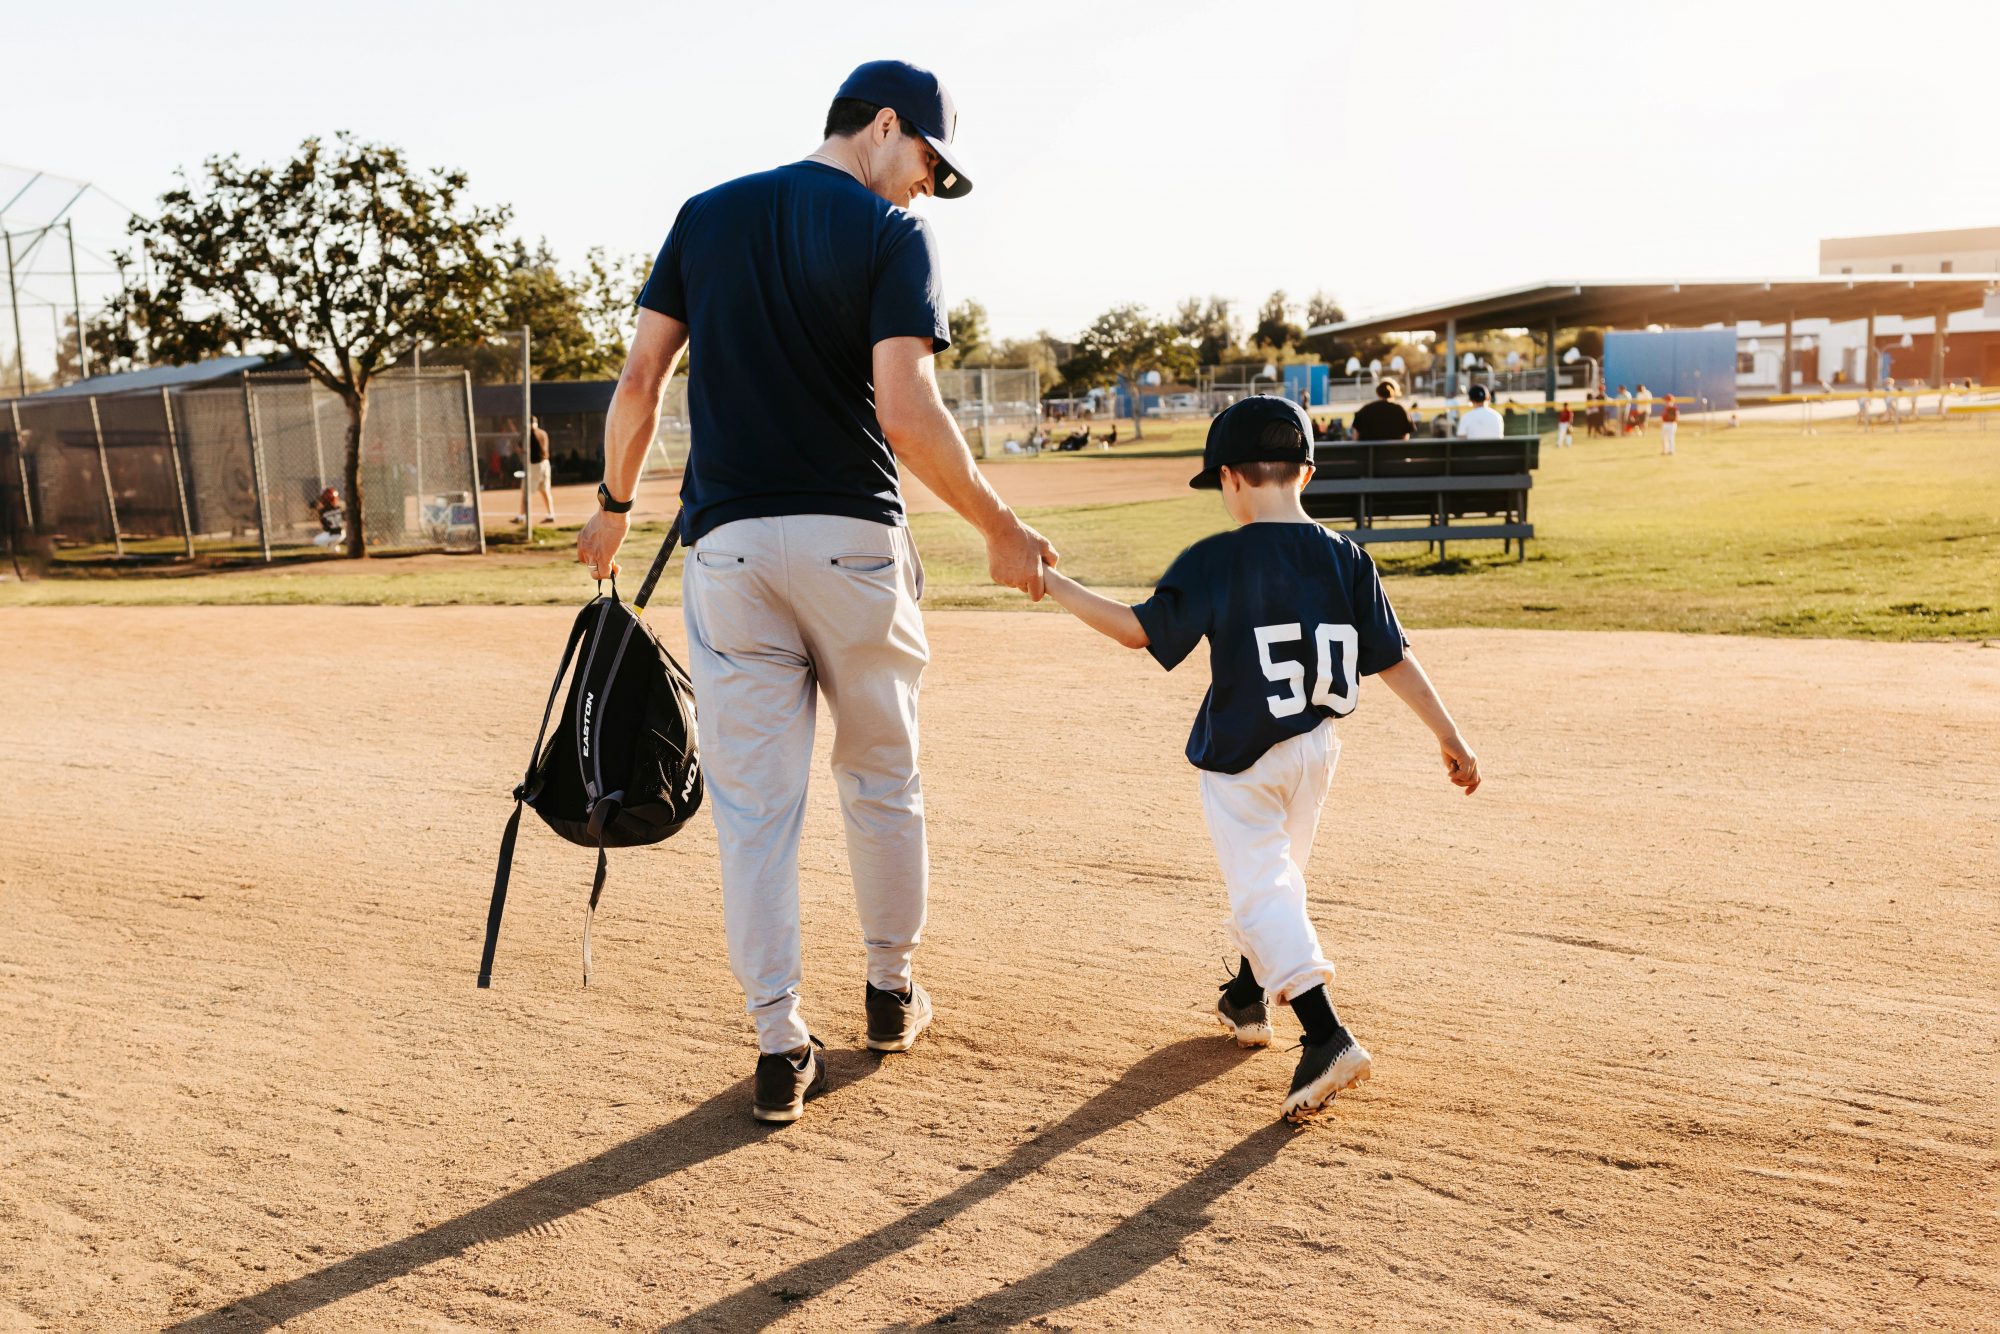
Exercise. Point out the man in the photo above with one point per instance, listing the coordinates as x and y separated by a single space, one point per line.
541 473
1480 422
813 295
1384 419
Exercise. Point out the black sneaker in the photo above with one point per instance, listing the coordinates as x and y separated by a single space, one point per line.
1248 1022
894 1020
786 1080
1331 1067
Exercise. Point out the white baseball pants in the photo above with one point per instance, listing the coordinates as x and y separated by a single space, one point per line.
1667 436
778 611
1262 822
1562 434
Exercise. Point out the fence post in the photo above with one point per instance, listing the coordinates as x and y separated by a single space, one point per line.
319 450
21 463
256 468
180 478
104 469
472 459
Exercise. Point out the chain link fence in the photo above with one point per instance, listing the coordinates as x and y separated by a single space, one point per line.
993 406
218 468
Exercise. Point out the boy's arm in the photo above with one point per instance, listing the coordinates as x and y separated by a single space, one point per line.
1414 688
1100 613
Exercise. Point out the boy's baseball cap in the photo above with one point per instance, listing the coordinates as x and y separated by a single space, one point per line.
1261 429
916 95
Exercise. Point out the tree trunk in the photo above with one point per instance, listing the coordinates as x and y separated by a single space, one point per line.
1138 407
357 530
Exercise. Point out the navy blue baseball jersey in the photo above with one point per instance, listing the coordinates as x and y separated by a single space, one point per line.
786 280
1294 615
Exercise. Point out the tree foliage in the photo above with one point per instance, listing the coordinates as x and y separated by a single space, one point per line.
1275 329
343 257
1209 328
971 340
1123 344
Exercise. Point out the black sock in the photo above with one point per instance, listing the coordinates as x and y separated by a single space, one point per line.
1244 988
1316 1016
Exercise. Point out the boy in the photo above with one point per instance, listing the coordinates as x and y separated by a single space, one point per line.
1295 617
1670 420
1564 419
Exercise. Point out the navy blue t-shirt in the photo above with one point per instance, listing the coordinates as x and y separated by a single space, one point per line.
786 280
1295 616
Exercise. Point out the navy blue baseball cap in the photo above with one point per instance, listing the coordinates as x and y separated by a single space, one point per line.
916 95
1261 429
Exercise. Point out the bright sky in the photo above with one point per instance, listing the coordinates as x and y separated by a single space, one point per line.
1387 154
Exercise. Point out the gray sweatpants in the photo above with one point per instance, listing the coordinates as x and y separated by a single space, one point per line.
778 610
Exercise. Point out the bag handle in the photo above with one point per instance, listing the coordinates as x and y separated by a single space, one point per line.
504 872
660 561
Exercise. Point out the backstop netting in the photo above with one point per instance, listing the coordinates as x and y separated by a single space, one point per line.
241 465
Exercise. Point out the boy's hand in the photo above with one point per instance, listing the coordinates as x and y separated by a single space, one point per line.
1460 763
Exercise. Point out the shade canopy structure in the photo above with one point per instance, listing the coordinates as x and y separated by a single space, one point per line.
1637 302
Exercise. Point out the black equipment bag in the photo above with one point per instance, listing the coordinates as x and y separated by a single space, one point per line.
623 768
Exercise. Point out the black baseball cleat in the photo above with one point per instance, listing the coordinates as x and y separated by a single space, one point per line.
787 1080
895 1018
1248 1021
1325 1069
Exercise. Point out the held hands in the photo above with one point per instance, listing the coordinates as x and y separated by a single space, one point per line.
597 545
1460 764
1015 556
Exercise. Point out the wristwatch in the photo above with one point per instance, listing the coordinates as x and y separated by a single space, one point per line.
609 504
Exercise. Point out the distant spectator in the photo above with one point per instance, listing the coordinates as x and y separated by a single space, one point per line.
1670 420
541 473
332 519
1564 417
1480 422
1642 409
1891 411
1624 410
1384 419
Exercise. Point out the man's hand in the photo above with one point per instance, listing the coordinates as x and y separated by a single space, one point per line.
597 545
1015 556
1460 763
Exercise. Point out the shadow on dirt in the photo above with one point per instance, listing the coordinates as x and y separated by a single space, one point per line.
1126 1251
716 1127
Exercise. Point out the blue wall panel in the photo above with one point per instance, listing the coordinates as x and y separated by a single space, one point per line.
1687 363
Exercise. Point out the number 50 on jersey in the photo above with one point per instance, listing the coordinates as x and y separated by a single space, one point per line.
1328 676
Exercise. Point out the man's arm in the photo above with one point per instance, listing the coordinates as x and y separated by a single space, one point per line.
1102 614
927 441
628 432
1414 688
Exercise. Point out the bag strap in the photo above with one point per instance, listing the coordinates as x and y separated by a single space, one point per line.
660 561
521 794
590 913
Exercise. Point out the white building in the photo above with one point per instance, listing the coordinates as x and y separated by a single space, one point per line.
1827 352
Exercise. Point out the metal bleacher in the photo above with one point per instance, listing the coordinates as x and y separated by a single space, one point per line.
1427 490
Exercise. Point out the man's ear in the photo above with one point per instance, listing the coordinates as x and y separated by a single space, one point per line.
884 126
1305 476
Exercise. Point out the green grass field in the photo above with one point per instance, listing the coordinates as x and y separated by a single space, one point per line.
1754 531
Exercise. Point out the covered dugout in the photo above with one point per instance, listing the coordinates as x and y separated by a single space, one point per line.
1634 303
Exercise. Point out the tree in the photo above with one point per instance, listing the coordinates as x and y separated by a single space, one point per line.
970 339
1124 344
113 339
1275 329
1210 328
1321 308
344 257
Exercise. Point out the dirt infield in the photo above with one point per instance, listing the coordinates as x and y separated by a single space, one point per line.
1687 1018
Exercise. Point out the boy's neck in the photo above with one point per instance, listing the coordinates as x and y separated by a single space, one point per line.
1274 504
